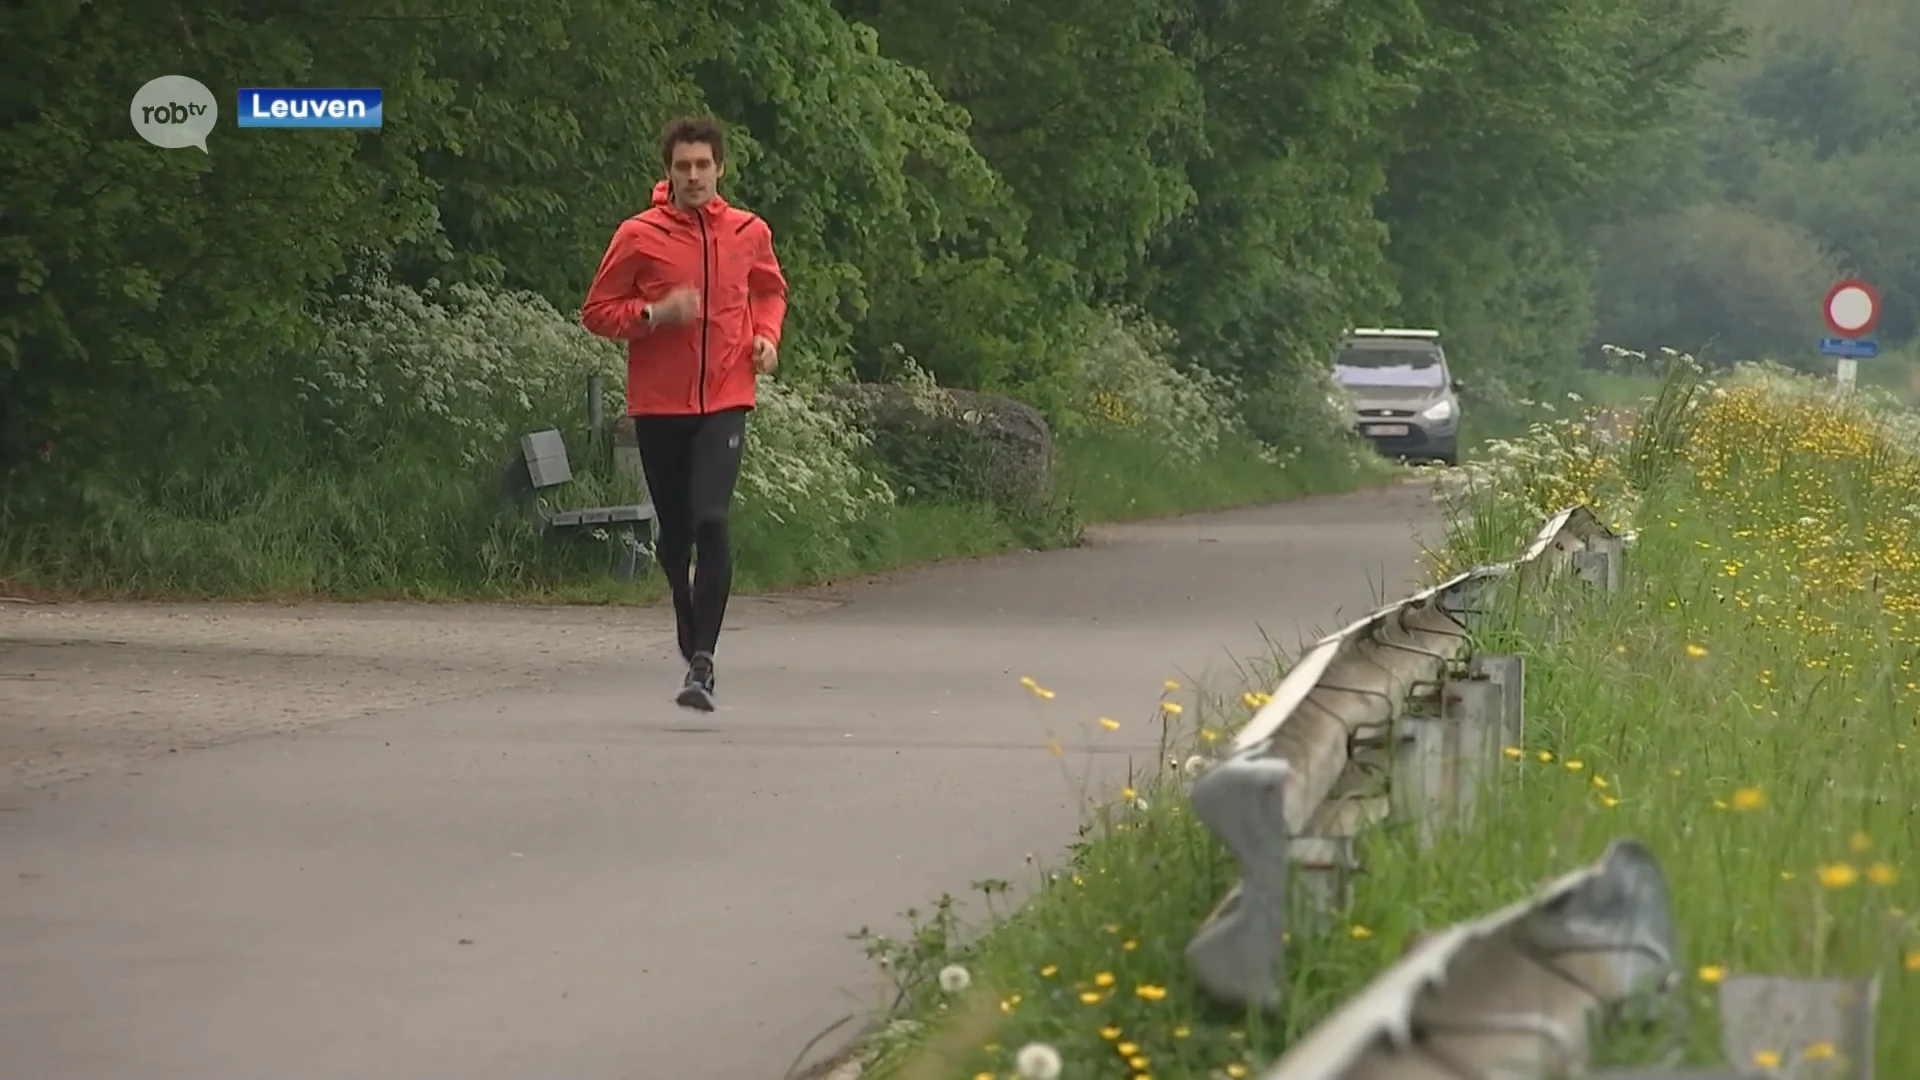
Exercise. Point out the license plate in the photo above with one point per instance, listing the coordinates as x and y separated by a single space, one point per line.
1387 429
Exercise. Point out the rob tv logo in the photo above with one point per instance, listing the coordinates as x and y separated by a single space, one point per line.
175 111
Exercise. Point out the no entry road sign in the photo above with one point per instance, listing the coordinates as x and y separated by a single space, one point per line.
1852 308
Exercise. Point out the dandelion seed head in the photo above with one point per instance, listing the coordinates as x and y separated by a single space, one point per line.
954 978
1037 1061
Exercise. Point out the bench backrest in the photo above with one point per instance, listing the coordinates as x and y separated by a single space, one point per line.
546 454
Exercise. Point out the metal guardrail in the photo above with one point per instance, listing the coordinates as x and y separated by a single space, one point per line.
1392 718
1509 995
1378 720
1515 996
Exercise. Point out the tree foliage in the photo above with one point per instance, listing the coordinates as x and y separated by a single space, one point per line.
1805 157
966 181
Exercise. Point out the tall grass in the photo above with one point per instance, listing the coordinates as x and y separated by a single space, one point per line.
1747 706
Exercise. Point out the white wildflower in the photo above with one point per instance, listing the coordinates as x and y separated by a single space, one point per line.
954 978
1038 1061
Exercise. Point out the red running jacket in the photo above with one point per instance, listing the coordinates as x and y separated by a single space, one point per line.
704 365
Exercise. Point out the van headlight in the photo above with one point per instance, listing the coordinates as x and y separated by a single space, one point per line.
1439 410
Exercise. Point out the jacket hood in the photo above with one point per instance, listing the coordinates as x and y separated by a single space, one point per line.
714 206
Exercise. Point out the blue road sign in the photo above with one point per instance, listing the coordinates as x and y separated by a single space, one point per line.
1849 348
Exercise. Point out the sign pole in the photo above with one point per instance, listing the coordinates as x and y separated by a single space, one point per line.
1846 372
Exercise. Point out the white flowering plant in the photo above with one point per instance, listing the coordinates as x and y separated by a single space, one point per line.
1128 381
459 371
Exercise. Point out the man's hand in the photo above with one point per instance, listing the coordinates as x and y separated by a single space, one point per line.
680 305
766 355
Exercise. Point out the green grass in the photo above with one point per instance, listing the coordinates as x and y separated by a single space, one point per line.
1111 478
1609 389
234 525
1741 707
1483 422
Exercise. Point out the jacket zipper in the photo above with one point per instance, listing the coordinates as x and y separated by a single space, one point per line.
706 304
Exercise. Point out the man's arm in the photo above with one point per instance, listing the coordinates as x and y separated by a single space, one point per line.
766 287
612 309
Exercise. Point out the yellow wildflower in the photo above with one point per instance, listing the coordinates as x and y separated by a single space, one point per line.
1838 875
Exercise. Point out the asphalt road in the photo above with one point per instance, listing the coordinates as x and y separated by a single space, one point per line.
560 874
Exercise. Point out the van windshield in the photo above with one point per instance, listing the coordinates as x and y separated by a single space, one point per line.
1413 367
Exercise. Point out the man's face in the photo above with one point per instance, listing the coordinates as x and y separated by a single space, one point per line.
693 173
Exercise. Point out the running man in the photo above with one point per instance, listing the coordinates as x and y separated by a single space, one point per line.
692 286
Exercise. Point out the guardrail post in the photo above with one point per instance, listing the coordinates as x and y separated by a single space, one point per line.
1237 954
1785 1017
1509 673
1443 760
1324 868
1600 563
1323 859
1774 1026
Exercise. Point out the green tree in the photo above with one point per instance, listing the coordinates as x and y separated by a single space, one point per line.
135 273
1281 247
1720 281
1081 108
1803 150
1533 124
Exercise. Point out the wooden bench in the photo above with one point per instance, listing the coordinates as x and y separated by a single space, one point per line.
548 467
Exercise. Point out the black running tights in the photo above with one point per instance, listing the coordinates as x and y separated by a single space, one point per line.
692 464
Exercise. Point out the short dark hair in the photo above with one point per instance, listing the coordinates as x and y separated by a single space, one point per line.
693 129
